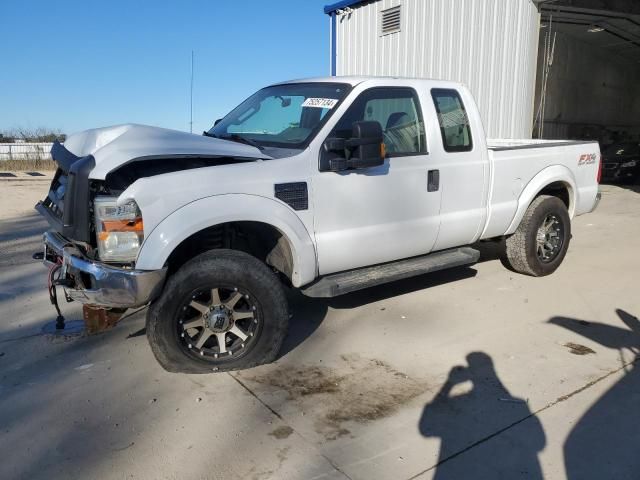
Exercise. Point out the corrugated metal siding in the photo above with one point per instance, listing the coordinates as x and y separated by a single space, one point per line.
490 45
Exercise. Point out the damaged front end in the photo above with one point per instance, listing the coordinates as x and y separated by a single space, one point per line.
70 248
95 283
67 205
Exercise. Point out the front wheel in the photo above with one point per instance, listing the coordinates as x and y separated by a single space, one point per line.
540 242
223 310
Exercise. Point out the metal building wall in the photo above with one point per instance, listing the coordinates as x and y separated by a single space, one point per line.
489 45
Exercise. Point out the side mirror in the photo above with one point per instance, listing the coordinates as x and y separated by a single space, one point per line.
364 149
334 157
217 122
368 145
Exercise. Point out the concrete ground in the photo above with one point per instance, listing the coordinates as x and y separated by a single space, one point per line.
472 373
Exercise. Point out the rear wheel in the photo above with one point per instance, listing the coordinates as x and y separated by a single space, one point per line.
223 310
541 241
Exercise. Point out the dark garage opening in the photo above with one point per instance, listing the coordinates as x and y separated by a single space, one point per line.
588 81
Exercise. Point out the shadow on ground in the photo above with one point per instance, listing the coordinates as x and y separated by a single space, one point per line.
633 186
20 239
79 408
308 313
604 442
58 424
489 432
485 432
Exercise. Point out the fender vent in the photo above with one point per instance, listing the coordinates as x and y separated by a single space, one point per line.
293 194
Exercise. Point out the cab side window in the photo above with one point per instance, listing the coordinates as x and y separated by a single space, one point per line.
398 112
453 120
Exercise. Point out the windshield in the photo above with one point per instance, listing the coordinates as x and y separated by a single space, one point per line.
285 116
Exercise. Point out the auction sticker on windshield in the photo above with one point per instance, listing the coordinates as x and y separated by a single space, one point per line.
320 102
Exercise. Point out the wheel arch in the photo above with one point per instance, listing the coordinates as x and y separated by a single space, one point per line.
286 241
557 181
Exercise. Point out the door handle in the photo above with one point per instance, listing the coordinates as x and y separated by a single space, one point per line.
433 181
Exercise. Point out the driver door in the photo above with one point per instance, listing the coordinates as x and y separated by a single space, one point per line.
378 214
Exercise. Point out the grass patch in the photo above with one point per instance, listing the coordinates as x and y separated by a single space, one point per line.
27 165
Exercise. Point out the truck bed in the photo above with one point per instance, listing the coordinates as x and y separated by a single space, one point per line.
520 164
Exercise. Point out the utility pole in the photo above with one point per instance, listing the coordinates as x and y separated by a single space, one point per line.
191 98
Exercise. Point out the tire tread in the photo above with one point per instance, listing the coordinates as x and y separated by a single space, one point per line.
226 262
519 253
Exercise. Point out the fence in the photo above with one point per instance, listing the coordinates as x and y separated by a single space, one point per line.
25 151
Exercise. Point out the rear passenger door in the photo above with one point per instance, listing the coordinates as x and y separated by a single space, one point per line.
463 166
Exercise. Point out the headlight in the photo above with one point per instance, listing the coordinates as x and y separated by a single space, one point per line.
119 230
632 163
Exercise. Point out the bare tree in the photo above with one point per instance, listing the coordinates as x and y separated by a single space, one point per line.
40 134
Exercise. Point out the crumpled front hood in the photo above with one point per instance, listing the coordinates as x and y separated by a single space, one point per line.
115 146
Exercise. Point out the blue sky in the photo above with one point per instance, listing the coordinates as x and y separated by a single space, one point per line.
72 65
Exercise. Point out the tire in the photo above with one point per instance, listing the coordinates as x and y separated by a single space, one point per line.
219 297
523 251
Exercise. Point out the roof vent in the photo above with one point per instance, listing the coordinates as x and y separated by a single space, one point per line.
390 20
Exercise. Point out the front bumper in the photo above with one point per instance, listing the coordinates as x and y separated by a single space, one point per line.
95 283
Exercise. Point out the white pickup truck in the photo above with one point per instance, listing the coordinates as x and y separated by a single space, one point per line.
326 185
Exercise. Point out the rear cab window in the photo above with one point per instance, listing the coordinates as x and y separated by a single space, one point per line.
452 118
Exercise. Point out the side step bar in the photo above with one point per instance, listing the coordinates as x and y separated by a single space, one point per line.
340 283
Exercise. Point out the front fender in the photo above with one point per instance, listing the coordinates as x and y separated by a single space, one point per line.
544 178
218 209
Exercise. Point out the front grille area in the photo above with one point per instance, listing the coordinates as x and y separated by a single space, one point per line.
55 199
67 207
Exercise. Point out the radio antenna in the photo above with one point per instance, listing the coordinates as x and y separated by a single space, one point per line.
191 98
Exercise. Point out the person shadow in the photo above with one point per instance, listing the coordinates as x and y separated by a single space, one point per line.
605 441
484 431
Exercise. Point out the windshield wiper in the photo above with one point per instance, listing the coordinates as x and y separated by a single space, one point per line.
234 137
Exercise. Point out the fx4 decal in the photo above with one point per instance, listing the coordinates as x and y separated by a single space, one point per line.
587 159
